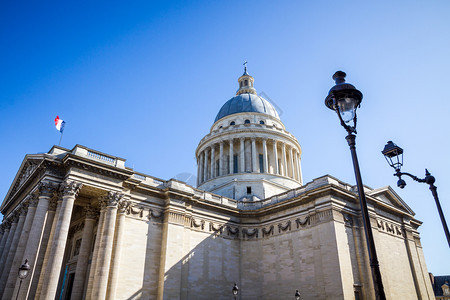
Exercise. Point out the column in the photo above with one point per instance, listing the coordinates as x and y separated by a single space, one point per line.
9 266
5 227
213 160
83 256
122 207
44 245
291 154
283 149
265 158
299 170
205 166
198 170
105 251
200 175
44 275
98 238
242 155
70 191
254 164
46 190
231 157
275 158
221 170
12 231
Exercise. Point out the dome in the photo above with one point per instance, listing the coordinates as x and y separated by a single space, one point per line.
247 102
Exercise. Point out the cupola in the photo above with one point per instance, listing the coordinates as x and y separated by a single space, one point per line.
246 83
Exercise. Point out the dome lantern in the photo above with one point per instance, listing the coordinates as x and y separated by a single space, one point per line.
246 83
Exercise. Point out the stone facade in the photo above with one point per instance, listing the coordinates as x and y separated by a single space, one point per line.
92 228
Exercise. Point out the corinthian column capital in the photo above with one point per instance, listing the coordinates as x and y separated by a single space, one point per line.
123 206
90 212
70 188
111 199
46 188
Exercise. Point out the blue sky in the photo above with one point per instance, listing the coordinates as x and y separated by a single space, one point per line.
145 80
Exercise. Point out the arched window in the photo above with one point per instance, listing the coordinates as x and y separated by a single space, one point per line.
233 123
246 82
247 121
261 122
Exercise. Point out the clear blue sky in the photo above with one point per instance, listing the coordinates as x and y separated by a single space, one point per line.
144 81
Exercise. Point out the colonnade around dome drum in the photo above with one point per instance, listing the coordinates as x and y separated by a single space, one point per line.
248 155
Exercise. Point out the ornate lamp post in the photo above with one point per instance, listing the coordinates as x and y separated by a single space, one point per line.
394 157
344 99
297 295
23 273
235 290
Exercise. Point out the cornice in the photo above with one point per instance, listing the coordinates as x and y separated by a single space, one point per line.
73 161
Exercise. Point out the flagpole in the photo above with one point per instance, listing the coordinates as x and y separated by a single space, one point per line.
60 138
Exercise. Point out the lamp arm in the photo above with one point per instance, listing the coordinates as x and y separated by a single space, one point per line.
400 174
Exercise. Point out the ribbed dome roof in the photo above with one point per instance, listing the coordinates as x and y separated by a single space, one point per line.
247 102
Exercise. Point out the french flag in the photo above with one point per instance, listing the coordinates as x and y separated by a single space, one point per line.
59 123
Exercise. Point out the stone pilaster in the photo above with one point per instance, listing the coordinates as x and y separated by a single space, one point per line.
213 165
70 190
12 251
83 256
283 149
275 158
231 157
46 190
104 255
254 157
242 155
265 158
122 207
221 169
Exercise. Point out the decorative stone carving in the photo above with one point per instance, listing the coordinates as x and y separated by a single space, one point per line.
299 222
113 198
380 224
123 206
267 232
70 188
46 188
135 209
233 231
348 219
33 200
90 212
215 228
197 224
285 227
52 204
26 173
152 214
250 232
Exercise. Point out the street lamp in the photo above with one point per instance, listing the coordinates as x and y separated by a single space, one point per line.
344 99
297 295
235 291
23 273
394 157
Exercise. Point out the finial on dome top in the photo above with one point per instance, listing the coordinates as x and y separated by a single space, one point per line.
246 82
245 68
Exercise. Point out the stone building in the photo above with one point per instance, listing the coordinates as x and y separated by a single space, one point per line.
92 228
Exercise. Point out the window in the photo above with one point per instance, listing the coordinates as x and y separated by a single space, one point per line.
249 190
228 164
261 163
261 122
220 126
217 168
233 123
247 121
246 82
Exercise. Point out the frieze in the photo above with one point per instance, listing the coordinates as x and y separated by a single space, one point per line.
175 218
303 223
153 214
250 232
267 232
322 216
197 224
97 170
123 205
134 209
285 227
348 219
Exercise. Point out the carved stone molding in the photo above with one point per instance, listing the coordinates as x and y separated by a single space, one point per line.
113 198
303 223
348 219
267 231
70 188
33 200
22 210
15 217
250 232
134 209
176 218
155 215
322 216
52 204
122 206
197 224
285 227
46 188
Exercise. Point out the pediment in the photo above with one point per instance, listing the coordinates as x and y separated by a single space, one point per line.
388 196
